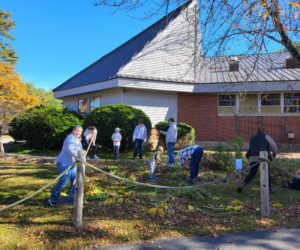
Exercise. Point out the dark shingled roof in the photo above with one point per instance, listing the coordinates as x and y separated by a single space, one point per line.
109 65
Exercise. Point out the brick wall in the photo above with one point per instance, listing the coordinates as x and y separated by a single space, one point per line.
201 111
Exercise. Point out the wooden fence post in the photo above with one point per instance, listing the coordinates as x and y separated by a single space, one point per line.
264 184
79 189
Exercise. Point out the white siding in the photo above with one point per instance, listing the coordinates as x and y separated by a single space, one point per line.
159 106
113 96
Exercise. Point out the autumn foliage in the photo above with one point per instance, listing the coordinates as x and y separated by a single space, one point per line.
14 96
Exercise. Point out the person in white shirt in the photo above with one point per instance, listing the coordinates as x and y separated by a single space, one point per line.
116 138
139 138
90 134
171 138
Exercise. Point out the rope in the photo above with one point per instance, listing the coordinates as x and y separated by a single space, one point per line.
287 172
38 191
170 187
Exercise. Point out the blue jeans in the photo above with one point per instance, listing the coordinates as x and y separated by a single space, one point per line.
152 168
138 144
171 152
62 183
195 161
116 152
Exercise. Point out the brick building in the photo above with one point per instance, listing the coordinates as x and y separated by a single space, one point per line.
162 72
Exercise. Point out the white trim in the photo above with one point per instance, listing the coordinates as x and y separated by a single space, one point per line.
86 89
259 103
209 88
181 87
282 103
237 103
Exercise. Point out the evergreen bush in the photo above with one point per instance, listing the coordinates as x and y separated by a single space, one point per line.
106 118
44 127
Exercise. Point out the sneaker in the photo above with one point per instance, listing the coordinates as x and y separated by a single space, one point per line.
96 158
52 204
190 181
171 166
88 158
152 179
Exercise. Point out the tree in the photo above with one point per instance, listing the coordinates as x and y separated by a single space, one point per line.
7 53
227 26
296 44
45 97
14 96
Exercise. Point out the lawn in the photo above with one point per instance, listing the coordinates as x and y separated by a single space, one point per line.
116 212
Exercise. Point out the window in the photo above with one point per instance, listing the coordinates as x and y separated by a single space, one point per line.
95 102
227 100
270 103
270 99
82 106
292 103
248 104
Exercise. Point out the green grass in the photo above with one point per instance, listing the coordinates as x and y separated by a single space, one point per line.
116 212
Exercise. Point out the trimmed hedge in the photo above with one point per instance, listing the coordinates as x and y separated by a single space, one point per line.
106 118
44 127
185 133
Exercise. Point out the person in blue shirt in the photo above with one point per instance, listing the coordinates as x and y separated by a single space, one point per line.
171 138
193 155
71 146
139 138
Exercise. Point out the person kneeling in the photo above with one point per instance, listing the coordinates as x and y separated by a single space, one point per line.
154 159
193 154
294 183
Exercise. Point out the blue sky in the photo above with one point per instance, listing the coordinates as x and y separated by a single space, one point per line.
55 39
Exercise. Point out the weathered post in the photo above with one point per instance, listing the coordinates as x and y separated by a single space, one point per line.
79 189
264 184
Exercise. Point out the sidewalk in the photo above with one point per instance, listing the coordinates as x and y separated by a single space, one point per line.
287 239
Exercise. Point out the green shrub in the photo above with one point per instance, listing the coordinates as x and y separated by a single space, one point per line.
223 159
106 118
44 127
185 133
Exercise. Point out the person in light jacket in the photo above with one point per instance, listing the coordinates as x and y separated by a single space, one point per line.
90 134
68 155
139 138
171 138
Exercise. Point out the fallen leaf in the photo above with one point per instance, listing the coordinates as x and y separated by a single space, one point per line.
161 212
216 198
152 211
277 205
190 207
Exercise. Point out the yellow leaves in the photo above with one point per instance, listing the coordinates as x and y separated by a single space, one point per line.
216 198
161 212
190 208
109 201
152 211
128 202
14 96
237 202
297 5
277 205
162 205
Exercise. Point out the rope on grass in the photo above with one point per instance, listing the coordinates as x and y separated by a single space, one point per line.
38 191
283 170
170 187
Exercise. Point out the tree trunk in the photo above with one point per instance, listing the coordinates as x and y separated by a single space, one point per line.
285 40
1 142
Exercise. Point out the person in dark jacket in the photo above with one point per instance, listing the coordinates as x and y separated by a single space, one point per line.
258 142
294 183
